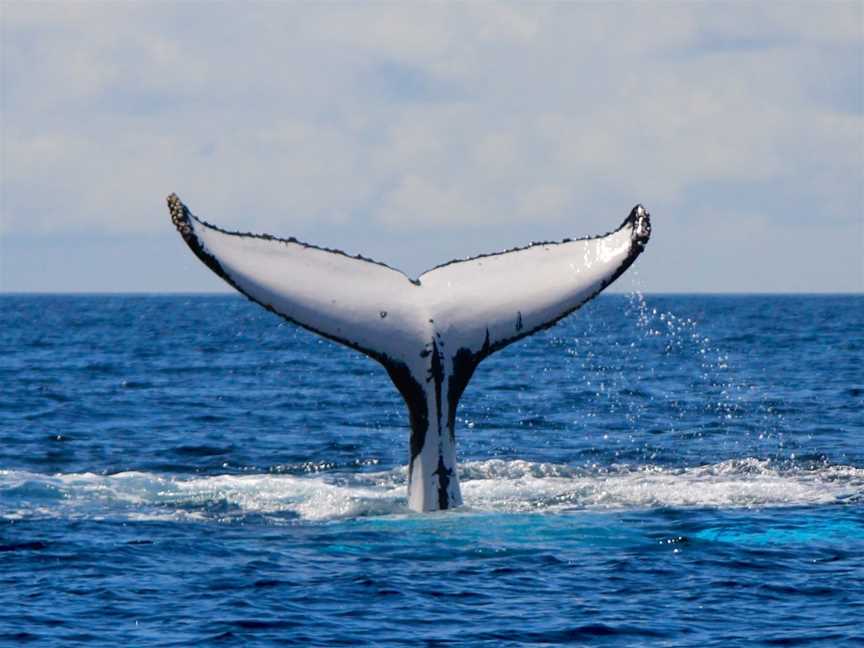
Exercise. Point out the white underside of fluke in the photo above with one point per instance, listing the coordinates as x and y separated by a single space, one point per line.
429 333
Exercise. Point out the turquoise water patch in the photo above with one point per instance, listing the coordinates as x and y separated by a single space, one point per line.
803 531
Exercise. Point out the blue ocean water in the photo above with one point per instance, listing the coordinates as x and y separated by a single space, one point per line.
661 470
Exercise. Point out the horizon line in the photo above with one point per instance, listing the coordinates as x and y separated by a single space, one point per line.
229 293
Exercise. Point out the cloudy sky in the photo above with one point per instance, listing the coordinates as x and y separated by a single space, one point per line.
419 133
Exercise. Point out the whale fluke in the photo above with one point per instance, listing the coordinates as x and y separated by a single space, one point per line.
430 333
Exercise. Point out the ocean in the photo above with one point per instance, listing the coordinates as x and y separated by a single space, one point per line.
655 470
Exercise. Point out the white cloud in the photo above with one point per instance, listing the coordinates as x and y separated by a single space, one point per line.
420 117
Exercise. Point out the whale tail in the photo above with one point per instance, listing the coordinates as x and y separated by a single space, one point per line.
429 333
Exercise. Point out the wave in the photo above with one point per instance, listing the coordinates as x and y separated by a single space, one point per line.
495 485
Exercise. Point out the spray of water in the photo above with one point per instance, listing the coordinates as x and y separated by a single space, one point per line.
657 372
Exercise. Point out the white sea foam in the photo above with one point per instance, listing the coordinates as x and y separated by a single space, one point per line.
488 486
520 486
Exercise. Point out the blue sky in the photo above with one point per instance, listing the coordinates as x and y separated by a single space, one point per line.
419 133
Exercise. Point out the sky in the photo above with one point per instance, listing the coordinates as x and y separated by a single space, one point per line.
418 133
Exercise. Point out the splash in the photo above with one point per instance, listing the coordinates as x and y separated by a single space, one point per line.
492 486
657 371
